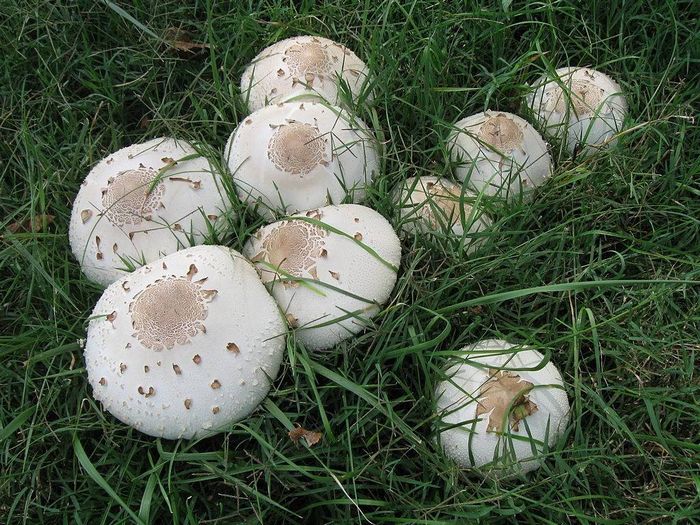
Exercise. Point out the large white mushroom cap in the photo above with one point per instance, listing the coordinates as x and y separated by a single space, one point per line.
185 345
301 155
580 106
433 204
499 154
302 66
329 269
141 203
500 411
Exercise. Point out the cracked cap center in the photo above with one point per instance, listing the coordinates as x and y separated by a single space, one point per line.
127 199
501 132
296 148
169 311
309 57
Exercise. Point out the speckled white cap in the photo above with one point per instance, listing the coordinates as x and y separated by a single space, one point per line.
185 346
499 454
302 66
434 204
579 106
347 256
499 154
141 203
301 155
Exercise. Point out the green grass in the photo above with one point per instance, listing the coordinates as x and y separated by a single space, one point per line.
601 271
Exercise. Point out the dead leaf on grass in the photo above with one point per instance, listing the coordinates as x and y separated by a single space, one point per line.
300 432
35 224
181 40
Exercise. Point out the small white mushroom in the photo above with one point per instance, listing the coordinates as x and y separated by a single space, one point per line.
140 203
499 409
327 280
302 66
580 106
429 204
164 364
301 155
499 154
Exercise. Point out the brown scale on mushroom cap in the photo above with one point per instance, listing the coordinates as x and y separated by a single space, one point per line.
127 199
296 148
501 132
169 311
292 247
440 199
505 395
304 58
583 97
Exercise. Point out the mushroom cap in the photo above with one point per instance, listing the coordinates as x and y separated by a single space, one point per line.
186 345
580 106
299 155
499 154
141 203
434 204
499 454
347 256
302 66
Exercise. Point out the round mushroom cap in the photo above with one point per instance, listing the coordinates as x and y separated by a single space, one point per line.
497 407
329 269
308 67
301 155
428 204
185 346
499 154
141 203
581 106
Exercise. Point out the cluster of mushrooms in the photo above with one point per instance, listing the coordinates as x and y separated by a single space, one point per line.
187 338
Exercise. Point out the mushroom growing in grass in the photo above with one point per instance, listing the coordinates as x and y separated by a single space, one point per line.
186 345
329 269
141 203
431 204
581 106
499 154
500 409
301 155
303 66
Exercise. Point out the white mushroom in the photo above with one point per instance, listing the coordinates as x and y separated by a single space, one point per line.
499 154
500 410
581 106
141 203
429 204
302 66
301 155
186 345
329 269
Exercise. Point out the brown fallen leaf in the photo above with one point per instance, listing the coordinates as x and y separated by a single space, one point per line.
35 224
300 432
181 40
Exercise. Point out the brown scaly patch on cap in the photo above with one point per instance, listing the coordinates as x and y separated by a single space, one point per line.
501 132
441 204
131 196
582 97
157 324
296 148
505 396
307 58
292 247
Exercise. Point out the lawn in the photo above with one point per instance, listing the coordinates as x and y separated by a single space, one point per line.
601 272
